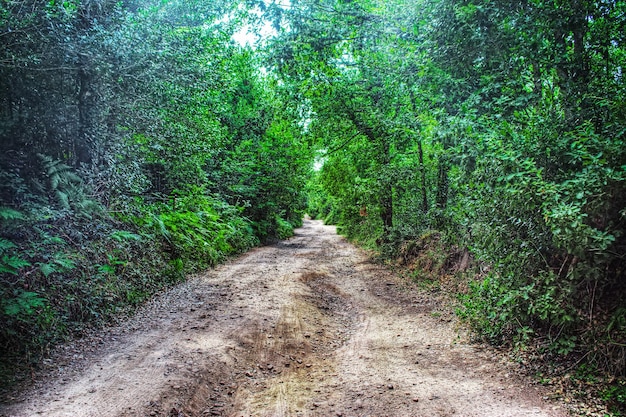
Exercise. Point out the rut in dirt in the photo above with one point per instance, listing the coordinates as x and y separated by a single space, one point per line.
305 327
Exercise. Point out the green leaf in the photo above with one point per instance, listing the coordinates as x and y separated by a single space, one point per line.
12 264
106 269
63 199
65 263
10 214
55 179
122 235
6 244
25 303
47 269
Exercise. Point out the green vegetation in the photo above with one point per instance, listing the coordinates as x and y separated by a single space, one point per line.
139 142
498 126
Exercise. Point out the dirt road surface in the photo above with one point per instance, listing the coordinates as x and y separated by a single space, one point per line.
306 327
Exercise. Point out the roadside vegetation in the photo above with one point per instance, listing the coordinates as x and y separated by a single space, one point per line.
139 143
490 135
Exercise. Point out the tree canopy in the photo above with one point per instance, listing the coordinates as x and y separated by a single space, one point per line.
138 143
489 130
493 128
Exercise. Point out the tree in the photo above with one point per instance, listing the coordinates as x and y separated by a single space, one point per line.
139 143
499 125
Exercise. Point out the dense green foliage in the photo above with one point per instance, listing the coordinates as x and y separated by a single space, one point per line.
138 143
500 126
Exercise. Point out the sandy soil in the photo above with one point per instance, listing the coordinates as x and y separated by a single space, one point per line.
306 327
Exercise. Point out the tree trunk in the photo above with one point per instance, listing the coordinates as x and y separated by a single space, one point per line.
386 198
420 153
85 109
423 176
386 203
443 183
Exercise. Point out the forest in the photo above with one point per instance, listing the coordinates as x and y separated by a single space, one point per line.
478 145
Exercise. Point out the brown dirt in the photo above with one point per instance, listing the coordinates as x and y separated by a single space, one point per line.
306 327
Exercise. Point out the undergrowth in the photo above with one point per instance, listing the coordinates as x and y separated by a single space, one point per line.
67 265
495 312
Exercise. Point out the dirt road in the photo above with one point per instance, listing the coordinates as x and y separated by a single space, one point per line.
306 327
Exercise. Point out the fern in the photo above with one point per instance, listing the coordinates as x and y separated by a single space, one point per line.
87 205
63 199
123 235
67 187
160 226
10 214
106 269
48 239
60 264
65 263
24 303
6 244
58 173
47 269
11 264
